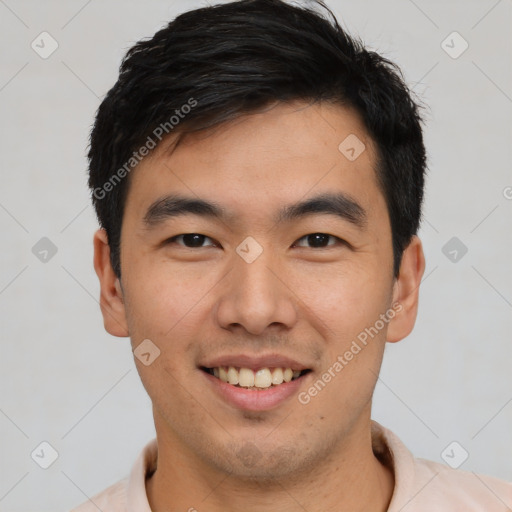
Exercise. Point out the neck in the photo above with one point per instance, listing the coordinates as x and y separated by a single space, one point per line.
350 479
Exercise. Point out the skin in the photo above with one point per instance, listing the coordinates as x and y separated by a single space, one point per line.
295 299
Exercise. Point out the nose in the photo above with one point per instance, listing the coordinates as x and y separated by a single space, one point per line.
255 297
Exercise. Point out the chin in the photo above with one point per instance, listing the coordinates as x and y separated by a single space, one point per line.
262 464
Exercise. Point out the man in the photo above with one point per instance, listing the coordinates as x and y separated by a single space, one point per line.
258 176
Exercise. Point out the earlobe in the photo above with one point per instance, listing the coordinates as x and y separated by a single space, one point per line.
406 291
111 293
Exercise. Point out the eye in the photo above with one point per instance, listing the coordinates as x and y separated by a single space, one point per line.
320 240
196 240
190 240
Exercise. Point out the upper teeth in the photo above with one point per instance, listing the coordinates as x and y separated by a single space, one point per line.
247 378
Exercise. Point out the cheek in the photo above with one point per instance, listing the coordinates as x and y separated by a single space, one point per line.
164 299
342 301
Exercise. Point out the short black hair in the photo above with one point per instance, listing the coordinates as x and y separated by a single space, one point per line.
214 64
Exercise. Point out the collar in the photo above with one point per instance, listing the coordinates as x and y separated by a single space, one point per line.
387 448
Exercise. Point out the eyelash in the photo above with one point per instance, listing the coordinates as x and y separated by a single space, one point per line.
339 240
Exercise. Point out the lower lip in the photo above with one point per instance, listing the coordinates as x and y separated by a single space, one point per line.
255 399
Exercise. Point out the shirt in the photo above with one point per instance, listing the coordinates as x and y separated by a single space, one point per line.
420 485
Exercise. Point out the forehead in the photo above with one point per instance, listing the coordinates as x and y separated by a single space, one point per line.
280 155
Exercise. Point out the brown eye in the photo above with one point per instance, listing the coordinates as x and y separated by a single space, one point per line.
190 240
319 240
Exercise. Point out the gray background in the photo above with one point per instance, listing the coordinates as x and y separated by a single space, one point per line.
67 382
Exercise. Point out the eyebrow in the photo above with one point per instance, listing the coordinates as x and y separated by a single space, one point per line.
339 204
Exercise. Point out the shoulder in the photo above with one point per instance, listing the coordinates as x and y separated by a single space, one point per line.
424 485
465 490
112 499
128 492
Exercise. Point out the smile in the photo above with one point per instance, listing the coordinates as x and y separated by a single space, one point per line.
262 378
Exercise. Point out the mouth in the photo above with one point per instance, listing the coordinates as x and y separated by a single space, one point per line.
263 382
255 379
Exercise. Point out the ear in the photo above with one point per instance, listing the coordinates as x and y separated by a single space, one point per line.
111 295
406 291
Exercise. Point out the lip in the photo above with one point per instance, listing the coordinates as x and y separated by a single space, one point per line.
255 400
255 362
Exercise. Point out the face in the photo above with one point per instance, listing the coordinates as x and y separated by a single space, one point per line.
256 283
